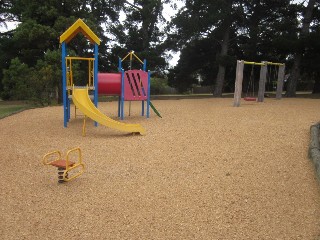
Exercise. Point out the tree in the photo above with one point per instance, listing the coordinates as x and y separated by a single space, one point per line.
304 33
41 25
15 81
214 21
140 32
267 24
5 12
312 56
41 83
253 30
195 60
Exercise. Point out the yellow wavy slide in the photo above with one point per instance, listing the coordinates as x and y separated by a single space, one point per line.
81 99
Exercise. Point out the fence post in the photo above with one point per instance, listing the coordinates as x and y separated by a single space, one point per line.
238 83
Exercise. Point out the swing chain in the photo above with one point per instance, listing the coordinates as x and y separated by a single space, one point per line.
251 82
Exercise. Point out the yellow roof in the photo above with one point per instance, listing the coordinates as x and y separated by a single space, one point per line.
79 26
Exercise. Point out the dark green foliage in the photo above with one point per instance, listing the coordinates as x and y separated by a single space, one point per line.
41 83
36 84
199 24
16 83
34 44
33 39
159 86
211 35
140 32
259 30
205 27
310 68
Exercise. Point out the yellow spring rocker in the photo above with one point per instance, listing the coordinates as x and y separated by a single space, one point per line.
65 166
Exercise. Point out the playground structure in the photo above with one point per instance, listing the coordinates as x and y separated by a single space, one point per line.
130 85
262 80
65 166
67 71
81 99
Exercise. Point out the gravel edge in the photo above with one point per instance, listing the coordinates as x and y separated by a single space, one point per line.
314 148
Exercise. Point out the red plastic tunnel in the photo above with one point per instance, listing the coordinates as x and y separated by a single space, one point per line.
109 83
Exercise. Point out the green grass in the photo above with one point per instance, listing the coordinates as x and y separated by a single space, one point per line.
8 108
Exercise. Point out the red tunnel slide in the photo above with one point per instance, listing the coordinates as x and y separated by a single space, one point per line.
109 83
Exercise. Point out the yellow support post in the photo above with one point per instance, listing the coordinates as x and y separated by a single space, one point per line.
138 58
125 57
90 73
131 53
84 126
70 74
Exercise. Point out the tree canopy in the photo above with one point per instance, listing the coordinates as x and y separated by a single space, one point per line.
210 35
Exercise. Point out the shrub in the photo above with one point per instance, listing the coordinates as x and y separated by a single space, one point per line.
160 86
15 81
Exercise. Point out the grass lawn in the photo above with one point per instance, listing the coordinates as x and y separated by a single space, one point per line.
8 108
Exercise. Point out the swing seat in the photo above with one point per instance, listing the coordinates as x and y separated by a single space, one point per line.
249 98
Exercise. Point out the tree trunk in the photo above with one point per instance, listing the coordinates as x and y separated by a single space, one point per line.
254 30
294 78
149 21
59 92
217 92
295 75
316 86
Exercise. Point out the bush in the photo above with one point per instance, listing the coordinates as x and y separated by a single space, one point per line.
23 83
15 81
160 86
41 81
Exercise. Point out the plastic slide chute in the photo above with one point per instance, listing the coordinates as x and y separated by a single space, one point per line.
81 99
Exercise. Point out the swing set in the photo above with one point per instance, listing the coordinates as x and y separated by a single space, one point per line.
250 91
250 95
272 75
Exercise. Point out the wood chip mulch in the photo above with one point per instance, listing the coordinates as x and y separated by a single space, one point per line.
206 170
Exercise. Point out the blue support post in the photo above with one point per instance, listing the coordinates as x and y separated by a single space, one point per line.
119 106
148 98
95 77
142 106
144 69
64 84
119 64
145 65
122 96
